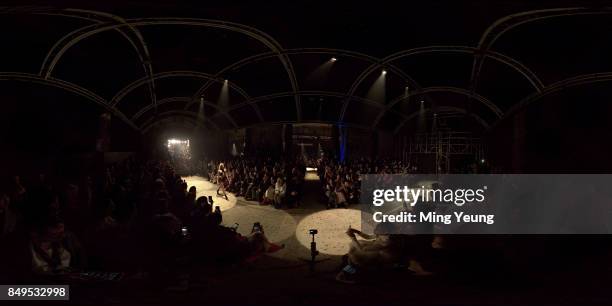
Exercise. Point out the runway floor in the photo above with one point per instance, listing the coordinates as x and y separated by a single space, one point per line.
288 226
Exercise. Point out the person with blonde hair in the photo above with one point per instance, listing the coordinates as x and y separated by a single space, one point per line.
222 181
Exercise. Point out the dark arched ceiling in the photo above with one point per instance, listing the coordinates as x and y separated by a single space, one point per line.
475 61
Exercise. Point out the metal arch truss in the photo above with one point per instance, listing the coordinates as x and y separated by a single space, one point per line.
458 110
174 118
490 105
514 64
147 108
298 51
507 60
171 74
191 119
255 100
106 22
377 104
556 87
576 81
192 74
505 24
70 87
78 35
176 113
100 18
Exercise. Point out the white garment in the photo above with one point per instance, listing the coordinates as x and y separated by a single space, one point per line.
269 193
280 189
39 265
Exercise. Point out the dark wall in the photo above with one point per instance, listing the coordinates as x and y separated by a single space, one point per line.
49 130
565 132
266 140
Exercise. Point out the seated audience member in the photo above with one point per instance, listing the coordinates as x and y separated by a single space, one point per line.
190 201
41 204
268 197
17 191
163 211
201 210
340 196
180 194
52 249
8 217
164 235
105 220
373 252
330 194
262 184
280 190
250 193
293 191
216 216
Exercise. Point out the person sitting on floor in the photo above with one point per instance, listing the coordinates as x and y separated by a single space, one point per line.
268 197
280 191
374 251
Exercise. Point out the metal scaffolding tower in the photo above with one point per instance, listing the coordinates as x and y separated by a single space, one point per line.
444 144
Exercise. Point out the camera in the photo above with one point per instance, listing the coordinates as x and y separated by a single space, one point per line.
257 228
313 231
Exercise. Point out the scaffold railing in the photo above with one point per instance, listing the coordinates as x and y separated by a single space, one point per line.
444 145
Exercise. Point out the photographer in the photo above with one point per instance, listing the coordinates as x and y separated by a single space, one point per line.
259 243
376 251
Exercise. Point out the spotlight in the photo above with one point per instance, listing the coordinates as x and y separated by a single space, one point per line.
384 72
482 161
333 59
422 101
225 81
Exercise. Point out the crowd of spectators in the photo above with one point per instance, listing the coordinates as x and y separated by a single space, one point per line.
142 216
135 216
267 181
341 185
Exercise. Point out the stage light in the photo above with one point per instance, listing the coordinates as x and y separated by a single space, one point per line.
223 99
378 91
482 161
333 59
422 101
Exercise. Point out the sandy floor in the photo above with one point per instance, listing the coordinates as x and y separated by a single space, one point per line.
206 188
289 226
